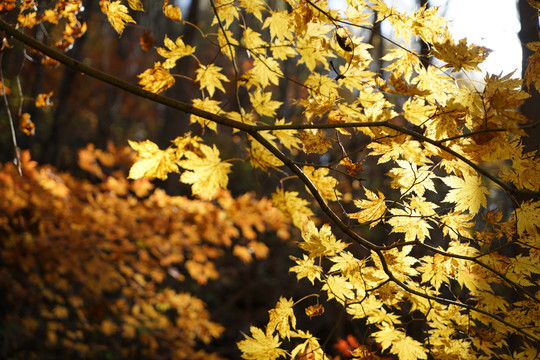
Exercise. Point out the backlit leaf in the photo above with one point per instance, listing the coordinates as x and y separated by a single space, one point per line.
261 346
282 318
210 78
171 11
157 79
325 184
152 162
135 5
207 174
372 209
320 242
467 193
118 15
175 51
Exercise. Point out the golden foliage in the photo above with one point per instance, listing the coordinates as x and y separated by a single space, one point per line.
452 241
89 267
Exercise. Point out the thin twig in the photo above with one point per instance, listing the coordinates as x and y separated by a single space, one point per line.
11 125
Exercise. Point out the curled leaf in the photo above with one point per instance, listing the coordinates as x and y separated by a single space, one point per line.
26 125
172 12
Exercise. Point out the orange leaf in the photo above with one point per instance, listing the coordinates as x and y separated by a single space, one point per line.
44 100
26 125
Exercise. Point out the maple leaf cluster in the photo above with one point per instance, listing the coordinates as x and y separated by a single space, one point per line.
62 13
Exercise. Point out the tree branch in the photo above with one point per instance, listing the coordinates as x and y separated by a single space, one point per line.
119 83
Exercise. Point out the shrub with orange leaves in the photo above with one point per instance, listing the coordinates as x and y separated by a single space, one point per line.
100 269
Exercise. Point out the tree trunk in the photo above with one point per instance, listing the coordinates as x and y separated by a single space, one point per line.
424 49
531 107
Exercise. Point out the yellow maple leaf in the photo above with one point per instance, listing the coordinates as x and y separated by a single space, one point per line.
254 43
409 178
289 138
339 288
176 50
157 79
227 12
28 19
309 349
280 317
314 47
227 43
532 74
390 148
405 62
265 71
471 277
410 222
278 24
314 141
372 209
186 143
456 224
347 265
263 104
261 157
327 185
172 12
207 174
467 193
320 242
435 270
425 208
292 206
317 105
400 86
399 263
311 55
282 50
118 15
210 78
435 80
406 348
382 10
357 16
261 346
459 56
152 162
427 24
386 335
528 217
208 105
253 7
525 171
417 111
306 268
324 85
